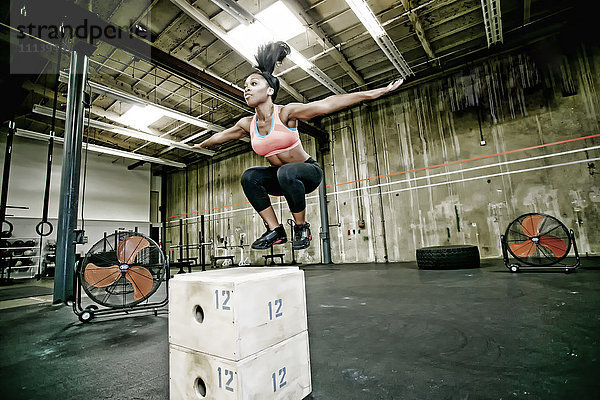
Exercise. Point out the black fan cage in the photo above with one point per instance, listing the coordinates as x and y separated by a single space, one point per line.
103 259
537 239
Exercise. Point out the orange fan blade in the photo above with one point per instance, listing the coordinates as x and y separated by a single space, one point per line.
141 279
531 225
555 244
129 248
524 249
101 276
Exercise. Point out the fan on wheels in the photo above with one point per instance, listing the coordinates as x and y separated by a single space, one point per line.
122 270
537 240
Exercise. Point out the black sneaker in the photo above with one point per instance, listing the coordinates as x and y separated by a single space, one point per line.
302 236
269 238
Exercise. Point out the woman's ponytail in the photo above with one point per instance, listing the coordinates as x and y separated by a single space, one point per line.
267 57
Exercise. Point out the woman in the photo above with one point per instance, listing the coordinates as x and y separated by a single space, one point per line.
273 132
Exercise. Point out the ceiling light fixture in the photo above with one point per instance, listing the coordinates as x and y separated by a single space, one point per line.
131 99
101 149
235 10
140 117
492 20
367 17
47 111
386 44
277 22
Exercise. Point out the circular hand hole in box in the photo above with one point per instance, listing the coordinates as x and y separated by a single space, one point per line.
200 387
199 314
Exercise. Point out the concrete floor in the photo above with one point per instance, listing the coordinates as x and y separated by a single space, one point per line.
376 332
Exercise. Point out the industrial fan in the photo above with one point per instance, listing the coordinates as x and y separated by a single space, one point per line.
121 272
539 241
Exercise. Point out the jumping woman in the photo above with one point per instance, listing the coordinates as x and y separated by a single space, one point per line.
273 133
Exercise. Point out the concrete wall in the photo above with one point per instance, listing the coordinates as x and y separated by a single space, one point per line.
409 170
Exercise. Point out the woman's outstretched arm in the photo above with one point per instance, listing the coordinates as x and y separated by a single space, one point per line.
304 111
239 130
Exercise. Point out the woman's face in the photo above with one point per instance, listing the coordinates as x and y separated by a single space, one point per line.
256 90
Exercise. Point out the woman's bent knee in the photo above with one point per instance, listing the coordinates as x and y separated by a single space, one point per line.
249 176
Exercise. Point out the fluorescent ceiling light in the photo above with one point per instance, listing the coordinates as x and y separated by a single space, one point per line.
247 38
130 99
281 20
140 117
367 17
101 149
385 43
47 111
235 10
492 19
275 22
300 60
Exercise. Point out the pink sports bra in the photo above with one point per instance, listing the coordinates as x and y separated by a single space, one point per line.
279 139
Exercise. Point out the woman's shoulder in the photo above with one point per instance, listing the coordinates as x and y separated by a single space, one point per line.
280 109
282 113
284 117
245 123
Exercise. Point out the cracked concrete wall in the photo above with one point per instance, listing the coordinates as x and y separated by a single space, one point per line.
424 179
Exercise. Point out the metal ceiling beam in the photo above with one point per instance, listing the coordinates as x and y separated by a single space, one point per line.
49 94
427 7
397 21
337 55
130 99
125 131
313 70
101 149
419 30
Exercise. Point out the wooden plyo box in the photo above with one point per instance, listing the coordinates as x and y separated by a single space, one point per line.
236 312
281 371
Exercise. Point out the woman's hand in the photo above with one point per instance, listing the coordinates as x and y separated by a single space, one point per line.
202 145
389 88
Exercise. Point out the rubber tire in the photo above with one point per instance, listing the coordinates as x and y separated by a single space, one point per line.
448 257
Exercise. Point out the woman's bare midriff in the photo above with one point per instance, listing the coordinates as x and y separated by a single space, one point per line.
297 154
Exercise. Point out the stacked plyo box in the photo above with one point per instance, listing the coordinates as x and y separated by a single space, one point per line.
239 333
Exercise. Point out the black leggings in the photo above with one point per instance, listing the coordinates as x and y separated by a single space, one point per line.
292 180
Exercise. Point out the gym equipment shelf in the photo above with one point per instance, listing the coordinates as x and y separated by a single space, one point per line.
21 258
